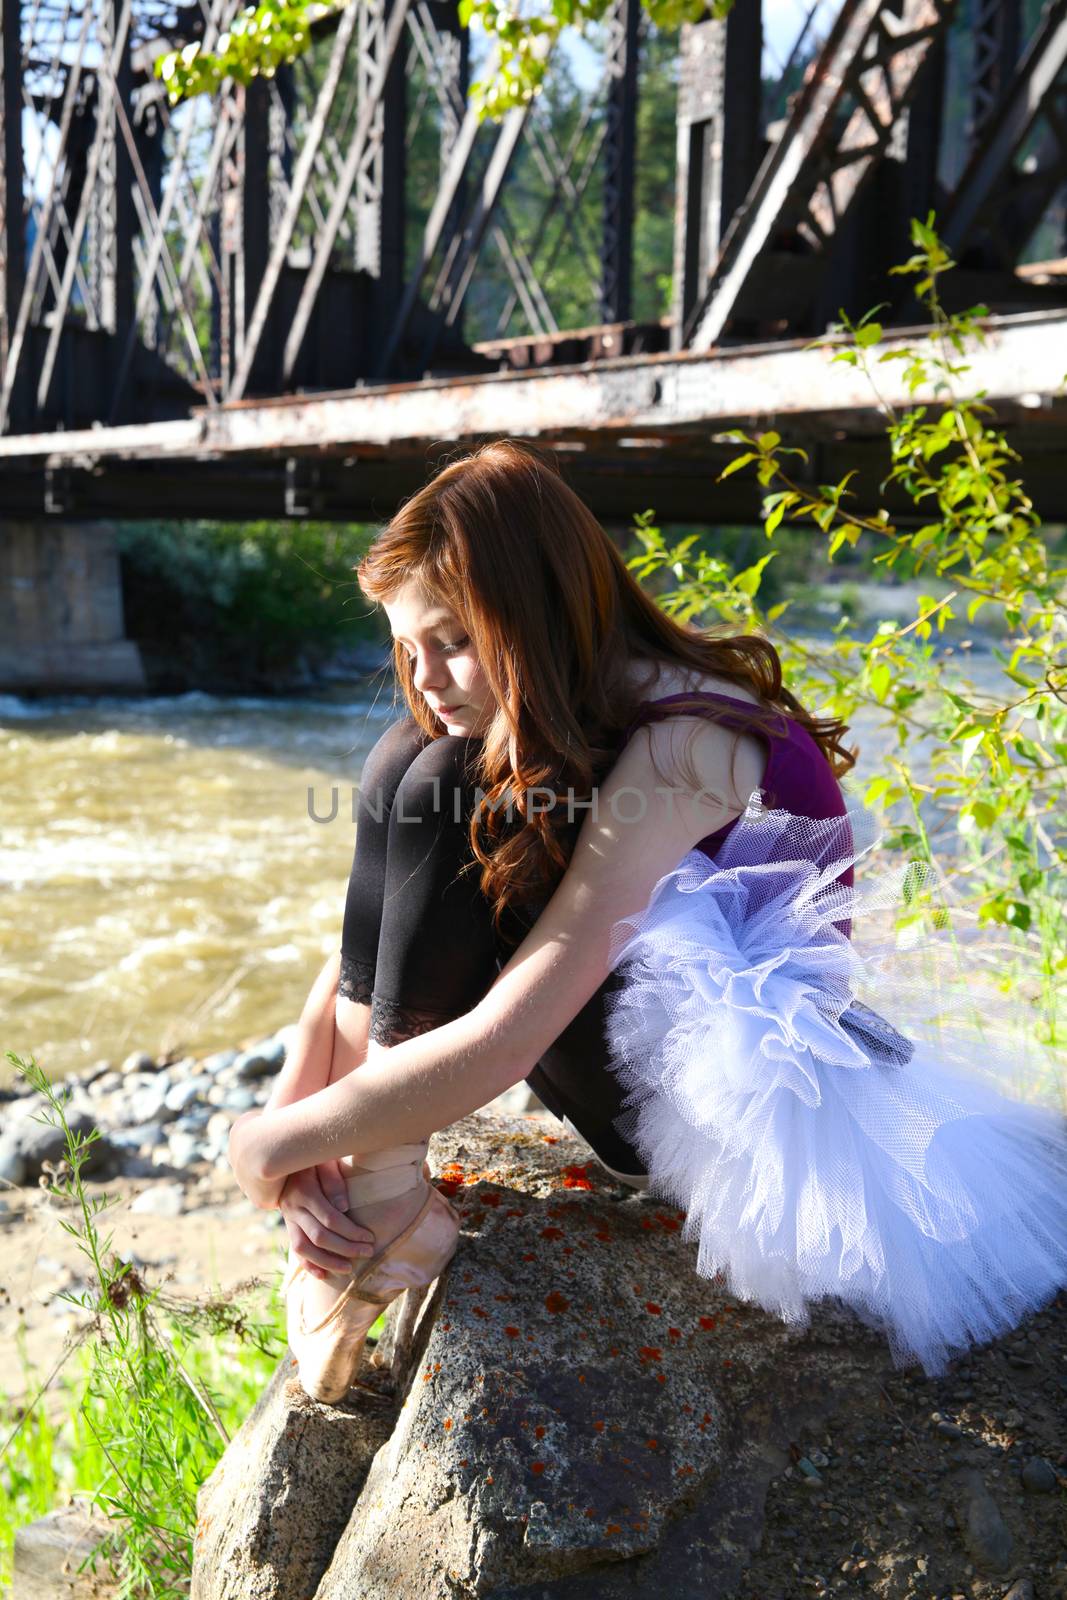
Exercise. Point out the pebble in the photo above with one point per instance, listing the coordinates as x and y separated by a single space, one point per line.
195 1120
1022 1590
12 1163
185 1093
985 1532
107 1083
184 1149
239 1100
1038 1476
219 1061
137 1062
151 1118
261 1062
161 1200
144 1136
150 1105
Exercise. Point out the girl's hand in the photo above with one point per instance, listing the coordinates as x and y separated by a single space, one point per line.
320 1231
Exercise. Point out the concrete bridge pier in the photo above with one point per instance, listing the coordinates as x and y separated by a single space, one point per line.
61 623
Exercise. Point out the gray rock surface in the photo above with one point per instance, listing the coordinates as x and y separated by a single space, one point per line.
27 1144
270 1514
48 1553
986 1536
579 1412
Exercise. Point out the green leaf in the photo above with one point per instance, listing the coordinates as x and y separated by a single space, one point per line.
736 464
969 746
869 334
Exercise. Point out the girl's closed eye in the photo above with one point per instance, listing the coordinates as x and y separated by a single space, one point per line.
446 649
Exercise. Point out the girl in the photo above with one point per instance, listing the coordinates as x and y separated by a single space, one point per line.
609 854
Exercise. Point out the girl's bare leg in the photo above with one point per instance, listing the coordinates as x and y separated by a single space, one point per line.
309 1063
353 1046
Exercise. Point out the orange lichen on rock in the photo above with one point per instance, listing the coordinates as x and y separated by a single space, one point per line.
512 1333
552 1233
575 1178
556 1302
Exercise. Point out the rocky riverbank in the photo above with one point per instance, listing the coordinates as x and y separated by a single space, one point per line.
154 1117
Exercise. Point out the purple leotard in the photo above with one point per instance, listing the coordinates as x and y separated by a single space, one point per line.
797 777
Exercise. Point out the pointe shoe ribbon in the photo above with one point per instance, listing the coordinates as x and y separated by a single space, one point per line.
354 1290
329 1351
383 1174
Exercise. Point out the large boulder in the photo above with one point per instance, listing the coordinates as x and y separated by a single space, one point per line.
577 1410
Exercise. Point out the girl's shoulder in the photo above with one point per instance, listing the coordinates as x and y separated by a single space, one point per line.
658 680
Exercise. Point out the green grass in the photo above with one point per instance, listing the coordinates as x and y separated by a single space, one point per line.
146 1401
47 1463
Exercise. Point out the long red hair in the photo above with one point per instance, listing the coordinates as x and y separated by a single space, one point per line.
557 621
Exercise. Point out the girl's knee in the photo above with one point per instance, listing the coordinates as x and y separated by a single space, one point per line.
438 782
391 755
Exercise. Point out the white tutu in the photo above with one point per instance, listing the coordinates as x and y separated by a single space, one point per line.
816 1150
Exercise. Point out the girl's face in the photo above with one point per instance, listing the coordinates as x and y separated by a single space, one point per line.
444 664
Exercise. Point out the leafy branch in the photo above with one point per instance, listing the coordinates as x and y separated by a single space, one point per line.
997 763
273 33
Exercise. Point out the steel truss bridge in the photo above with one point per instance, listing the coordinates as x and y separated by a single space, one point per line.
241 307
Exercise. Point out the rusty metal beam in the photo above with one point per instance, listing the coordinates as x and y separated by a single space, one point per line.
17 332
718 143
990 180
995 34
810 178
620 143
283 238
394 32
676 477
12 225
1019 368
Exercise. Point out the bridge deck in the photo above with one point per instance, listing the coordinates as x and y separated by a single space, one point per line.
642 430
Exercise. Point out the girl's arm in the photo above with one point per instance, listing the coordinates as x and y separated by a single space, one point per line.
402 1093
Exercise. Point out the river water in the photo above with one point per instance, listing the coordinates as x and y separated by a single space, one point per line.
167 885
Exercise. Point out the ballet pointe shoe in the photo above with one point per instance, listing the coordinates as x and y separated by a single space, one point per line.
328 1351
